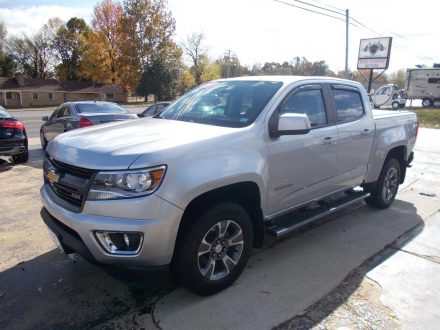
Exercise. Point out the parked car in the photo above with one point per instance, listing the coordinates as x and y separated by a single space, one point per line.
13 137
154 109
227 160
72 115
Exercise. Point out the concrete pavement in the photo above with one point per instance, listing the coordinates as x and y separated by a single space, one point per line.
284 280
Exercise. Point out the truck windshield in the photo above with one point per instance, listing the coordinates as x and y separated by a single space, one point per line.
223 103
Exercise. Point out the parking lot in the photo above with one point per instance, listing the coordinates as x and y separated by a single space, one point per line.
307 279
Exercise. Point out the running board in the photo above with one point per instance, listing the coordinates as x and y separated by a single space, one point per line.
286 224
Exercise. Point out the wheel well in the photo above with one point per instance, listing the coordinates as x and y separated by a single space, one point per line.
246 194
400 154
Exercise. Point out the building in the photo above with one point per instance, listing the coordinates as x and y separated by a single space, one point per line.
21 92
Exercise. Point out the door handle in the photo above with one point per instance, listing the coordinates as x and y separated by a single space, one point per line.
366 132
327 141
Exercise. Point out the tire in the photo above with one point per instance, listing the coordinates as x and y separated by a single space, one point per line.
436 103
395 105
426 103
21 158
43 140
214 250
401 106
385 190
376 106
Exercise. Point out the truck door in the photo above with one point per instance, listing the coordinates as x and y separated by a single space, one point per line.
303 167
356 131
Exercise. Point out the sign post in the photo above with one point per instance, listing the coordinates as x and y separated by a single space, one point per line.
374 54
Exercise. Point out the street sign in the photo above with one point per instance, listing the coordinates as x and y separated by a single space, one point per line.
374 53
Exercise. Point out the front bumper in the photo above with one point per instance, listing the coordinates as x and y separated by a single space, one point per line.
157 219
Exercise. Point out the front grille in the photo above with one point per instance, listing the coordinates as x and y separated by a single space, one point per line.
72 183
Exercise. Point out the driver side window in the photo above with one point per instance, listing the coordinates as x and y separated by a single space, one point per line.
309 102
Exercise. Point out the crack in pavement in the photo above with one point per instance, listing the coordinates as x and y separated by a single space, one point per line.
434 259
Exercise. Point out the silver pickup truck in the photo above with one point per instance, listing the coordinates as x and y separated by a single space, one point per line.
198 186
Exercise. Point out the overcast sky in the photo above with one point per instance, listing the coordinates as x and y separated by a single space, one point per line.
265 30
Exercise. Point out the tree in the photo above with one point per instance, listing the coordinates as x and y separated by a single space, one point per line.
398 77
195 50
7 65
230 67
70 44
158 79
147 30
103 56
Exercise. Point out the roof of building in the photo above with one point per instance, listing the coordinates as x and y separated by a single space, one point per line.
53 85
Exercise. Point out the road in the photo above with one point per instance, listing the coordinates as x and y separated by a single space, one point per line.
42 288
32 118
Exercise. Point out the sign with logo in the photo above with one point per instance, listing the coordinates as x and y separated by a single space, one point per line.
52 176
374 53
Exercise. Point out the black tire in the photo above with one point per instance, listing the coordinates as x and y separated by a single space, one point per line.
436 103
194 257
395 105
376 106
21 158
426 103
385 190
401 106
43 140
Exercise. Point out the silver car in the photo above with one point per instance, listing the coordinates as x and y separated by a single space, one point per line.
71 115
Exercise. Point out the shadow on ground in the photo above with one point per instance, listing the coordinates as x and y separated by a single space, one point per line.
55 291
310 273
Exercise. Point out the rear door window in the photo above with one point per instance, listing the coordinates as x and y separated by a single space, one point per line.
349 104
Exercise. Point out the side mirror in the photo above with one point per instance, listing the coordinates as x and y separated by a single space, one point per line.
45 118
293 124
139 115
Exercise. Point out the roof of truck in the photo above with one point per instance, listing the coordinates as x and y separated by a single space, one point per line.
289 79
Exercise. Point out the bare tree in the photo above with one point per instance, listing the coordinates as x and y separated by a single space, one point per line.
196 51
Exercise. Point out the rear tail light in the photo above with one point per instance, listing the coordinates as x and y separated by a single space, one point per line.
84 122
12 124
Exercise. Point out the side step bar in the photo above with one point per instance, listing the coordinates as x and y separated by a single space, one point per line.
287 223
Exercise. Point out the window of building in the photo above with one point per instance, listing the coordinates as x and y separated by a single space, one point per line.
50 96
434 80
110 95
348 104
9 95
34 96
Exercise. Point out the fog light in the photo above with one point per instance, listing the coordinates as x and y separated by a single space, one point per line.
126 243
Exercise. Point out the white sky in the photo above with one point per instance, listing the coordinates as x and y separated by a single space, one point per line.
264 30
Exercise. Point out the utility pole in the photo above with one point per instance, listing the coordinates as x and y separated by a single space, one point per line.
228 57
347 17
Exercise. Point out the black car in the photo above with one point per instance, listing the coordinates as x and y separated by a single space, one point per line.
154 109
13 137
73 115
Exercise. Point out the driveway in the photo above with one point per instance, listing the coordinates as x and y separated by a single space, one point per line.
307 277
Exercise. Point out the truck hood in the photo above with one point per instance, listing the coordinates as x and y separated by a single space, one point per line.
117 145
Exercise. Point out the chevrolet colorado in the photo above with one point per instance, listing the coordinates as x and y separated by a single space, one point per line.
197 186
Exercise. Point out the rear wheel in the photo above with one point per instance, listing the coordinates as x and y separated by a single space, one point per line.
21 158
436 103
426 103
215 249
385 190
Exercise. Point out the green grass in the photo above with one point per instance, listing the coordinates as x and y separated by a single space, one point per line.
428 117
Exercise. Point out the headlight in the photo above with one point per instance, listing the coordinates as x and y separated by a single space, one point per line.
126 184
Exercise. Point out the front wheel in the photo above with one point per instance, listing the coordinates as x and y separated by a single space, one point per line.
395 105
215 249
385 191
436 103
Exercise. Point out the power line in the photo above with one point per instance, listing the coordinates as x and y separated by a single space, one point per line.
327 5
309 4
314 11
